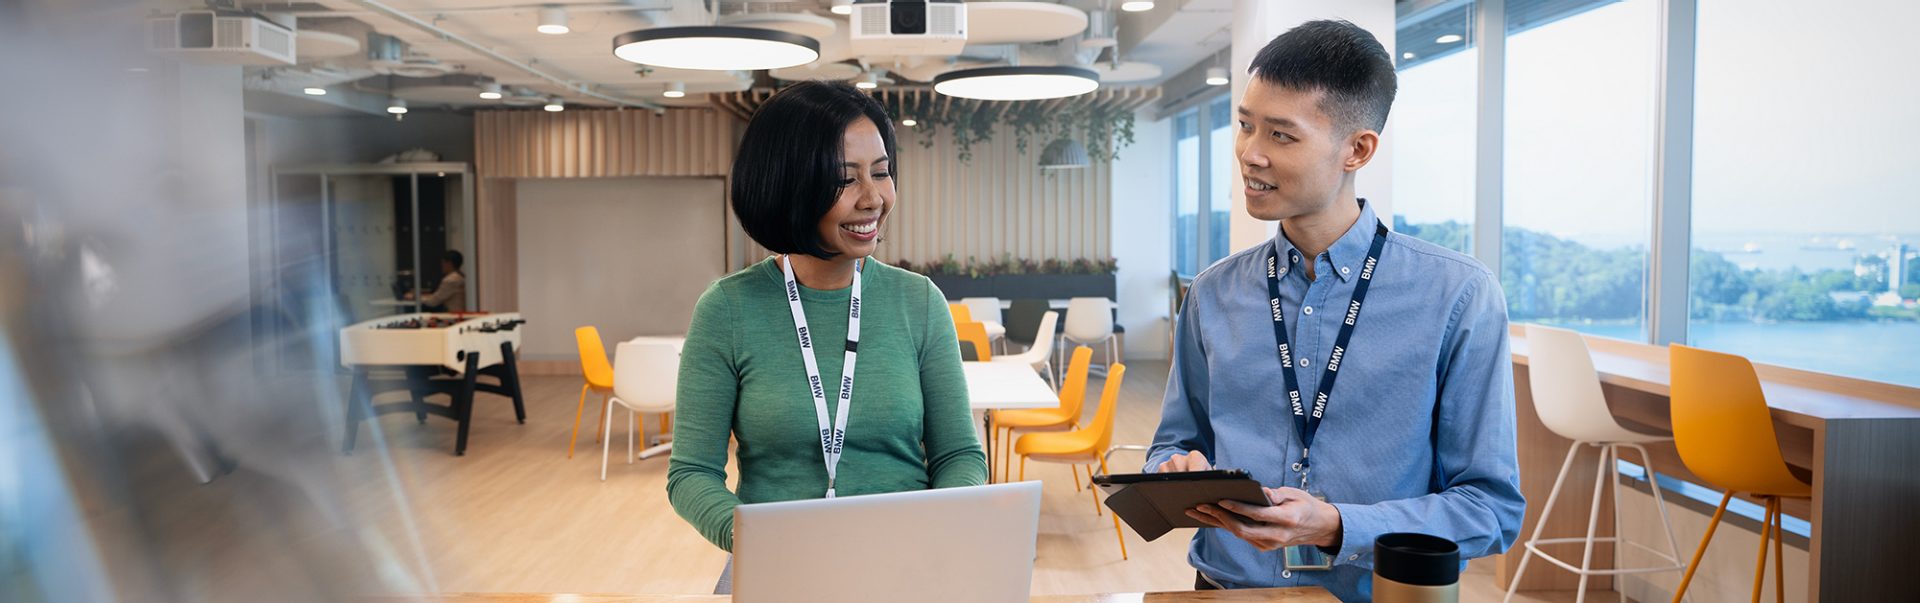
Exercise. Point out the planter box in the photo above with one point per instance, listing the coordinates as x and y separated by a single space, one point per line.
956 287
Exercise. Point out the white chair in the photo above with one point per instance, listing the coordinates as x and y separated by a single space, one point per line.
1089 322
1041 354
986 310
1567 396
645 375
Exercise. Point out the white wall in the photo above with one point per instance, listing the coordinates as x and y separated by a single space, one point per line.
1142 206
627 255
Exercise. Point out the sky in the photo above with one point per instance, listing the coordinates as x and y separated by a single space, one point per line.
1805 123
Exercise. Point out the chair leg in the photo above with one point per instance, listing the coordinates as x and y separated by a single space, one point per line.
1076 477
1593 522
576 419
1541 524
606 444
1702 551
1023 467
1766 531
666 424
1779 541
1117 534
1097 511
1653 479
633 421
604 424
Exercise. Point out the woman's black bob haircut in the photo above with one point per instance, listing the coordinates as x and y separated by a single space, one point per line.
787 173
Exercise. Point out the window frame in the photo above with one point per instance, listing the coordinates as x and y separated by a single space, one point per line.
1201 112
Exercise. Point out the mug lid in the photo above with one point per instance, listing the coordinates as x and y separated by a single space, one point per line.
1416 559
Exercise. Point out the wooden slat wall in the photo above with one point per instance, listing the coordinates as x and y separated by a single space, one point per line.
1000 203
579 143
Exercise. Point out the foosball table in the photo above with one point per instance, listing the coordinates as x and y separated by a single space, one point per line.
435 354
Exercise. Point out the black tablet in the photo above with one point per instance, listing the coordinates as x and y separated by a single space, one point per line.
1156 503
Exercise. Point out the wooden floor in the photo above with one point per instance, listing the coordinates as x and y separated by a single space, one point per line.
516 515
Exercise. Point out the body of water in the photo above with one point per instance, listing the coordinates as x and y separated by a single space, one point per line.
1881 351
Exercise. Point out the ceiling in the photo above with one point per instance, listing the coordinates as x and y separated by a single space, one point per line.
497 39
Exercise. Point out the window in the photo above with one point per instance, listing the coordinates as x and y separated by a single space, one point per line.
1805 223
1580 142
1203 176
1433 126
1186 194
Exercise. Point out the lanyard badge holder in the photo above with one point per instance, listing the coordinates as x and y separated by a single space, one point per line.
833 434
1306 557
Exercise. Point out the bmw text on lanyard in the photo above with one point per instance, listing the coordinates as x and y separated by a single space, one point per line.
1305 422
833 435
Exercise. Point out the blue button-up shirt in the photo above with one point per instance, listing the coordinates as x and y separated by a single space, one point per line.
1418 435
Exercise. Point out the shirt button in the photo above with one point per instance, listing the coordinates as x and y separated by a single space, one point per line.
1343 270
1294 258
1353 557
1308 310
1283 272
1286 573
1304 362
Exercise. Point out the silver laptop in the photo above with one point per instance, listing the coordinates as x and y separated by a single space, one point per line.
954 544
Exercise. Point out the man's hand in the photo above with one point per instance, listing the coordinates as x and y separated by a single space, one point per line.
1192 461
1295 518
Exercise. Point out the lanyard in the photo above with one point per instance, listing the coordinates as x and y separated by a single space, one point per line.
832 436
1307 424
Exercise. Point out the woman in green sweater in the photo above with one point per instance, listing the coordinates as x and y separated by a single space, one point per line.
764 360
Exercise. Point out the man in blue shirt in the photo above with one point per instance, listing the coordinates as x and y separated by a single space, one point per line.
1419 434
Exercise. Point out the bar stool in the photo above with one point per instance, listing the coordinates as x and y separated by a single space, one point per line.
1567 396
1724 432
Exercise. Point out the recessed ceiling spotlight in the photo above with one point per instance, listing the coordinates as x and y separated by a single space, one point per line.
1217 76
909 122
868 81
553 21
397 106
842 7
490 91
555 105
1408 55
1134 6
1448 39
315 91
675 90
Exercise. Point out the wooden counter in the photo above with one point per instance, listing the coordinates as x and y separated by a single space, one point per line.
1281 595
1855 440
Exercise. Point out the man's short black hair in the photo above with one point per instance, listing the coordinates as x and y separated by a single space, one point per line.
452 256
787 173
1340 59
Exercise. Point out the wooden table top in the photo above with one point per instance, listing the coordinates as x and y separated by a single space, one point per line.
1282 595
1797 397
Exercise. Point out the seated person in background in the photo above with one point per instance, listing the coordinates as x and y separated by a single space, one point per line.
1419 434
771 355
451 295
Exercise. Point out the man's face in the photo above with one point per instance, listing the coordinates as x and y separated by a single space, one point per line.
1293 157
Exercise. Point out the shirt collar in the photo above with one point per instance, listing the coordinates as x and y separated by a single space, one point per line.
1347 252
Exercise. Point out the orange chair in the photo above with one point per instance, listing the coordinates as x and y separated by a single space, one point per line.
1724 433
1087 444
976 334
599 376
1073 394
960 313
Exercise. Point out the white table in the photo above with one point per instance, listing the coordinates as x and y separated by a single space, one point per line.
678 341
1000 386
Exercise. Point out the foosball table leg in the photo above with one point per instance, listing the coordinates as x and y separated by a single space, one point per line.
358 398
510 377
463 402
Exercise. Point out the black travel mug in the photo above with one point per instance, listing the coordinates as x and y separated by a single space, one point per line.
1415 568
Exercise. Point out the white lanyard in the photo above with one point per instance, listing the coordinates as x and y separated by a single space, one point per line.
832 437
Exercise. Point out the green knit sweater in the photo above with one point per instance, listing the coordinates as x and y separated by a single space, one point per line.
741 375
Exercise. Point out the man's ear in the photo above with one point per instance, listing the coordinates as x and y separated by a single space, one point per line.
1360 149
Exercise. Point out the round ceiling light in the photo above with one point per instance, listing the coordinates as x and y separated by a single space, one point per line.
553 21
1448 39
315 91
555 105
716 48
1217 76
490 91
675 90
1135 6
1017 83
397 106
842 7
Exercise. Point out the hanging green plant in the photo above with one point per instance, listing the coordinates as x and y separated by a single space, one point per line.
1104 131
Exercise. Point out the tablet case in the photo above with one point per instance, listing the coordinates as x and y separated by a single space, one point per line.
1156 505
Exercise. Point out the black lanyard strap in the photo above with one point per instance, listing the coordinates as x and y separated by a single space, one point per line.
1306 423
